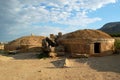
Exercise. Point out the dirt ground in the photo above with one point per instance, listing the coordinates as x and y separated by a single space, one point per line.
25 66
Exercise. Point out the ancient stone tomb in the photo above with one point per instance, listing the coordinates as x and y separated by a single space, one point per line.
89 42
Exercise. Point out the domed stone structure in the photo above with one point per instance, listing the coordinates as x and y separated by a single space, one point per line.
25 44
90 42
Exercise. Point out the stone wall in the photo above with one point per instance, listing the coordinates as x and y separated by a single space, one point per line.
106 47
74 47
22 48
9 47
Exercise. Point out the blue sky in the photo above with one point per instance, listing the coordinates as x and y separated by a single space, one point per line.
42 17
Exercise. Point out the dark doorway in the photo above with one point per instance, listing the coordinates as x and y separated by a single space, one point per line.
96 47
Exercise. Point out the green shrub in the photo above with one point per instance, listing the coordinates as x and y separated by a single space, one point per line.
115 35
117 43
3 52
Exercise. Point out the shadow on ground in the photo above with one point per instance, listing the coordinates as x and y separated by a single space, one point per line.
103 64
100 64
58 63
21 56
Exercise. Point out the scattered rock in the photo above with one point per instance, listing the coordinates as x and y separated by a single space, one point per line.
52 54
39 71
66 63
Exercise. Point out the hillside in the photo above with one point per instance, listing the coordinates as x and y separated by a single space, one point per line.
111 28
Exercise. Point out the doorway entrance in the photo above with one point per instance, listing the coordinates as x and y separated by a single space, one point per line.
96 47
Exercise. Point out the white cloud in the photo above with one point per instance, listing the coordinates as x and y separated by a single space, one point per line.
95 4
37 30
46 30
61 11
81 22
18 15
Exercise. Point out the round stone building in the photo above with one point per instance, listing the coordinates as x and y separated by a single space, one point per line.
25 44
90 42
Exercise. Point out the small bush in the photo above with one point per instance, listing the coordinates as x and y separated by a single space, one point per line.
115 35
3 52
117 43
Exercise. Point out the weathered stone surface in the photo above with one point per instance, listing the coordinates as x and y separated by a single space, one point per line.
60 50
25 44
92 42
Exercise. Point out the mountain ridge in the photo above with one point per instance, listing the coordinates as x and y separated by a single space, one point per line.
111 28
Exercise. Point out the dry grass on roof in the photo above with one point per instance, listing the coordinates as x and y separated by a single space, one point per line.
27 40
87 33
